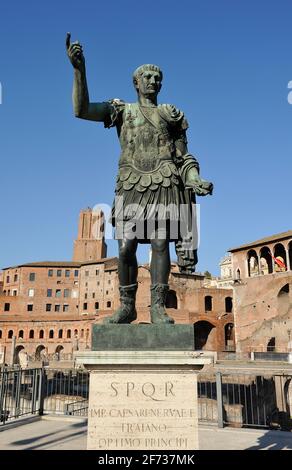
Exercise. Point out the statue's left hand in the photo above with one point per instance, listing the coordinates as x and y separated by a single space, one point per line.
202 187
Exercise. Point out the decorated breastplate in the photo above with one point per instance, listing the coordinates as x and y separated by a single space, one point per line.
147 151
144 138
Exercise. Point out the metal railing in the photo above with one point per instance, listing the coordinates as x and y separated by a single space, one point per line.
226 399
246 400
63 387
20 393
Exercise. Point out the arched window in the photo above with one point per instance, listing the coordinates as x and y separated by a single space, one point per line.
280 258
208 303
108 304
60 334
96 305
228 304
0 334
229 336
82 334
51 334
75 332
10 334
41 334
252 263
31 334
20 334
68 334
266 262
238 274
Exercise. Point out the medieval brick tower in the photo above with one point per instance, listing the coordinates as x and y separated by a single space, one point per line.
90 244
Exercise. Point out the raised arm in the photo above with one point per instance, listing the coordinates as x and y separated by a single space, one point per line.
82 107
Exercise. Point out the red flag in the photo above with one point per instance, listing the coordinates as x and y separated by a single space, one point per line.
279 262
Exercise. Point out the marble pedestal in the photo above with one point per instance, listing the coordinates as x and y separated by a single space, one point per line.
142 400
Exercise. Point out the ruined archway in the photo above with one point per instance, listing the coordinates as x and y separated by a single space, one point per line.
266 262
202 330
40 352
59 351
280 258
252 263
18 351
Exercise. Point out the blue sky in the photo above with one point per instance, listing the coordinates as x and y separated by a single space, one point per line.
226 64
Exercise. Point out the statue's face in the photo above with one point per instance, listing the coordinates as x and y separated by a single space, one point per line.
149 83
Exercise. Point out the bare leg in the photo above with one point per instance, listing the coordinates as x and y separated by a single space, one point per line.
160 261
128 266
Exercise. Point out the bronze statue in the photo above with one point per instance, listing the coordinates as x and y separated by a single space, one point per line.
157 177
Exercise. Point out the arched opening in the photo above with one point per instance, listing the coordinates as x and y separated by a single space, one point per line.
290 255
252 263
96 305
0 334
266 261
58 352
171 299
280 259
60 334
75 333
229 337
10 334
284 290
271 346
68 334
202 330
51 334
31 334
228 304
238 274
40 352
20 334
41 334
208 303
82 333
108 304
18 350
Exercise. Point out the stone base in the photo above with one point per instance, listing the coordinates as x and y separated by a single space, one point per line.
142 400
143 337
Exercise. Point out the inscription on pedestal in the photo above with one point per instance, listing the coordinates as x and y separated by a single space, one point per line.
142 411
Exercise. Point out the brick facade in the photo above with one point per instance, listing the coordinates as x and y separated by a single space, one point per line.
263 294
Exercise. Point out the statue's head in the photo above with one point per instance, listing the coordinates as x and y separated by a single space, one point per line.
147 79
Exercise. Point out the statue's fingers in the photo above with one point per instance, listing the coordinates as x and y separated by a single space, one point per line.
68 37
75 47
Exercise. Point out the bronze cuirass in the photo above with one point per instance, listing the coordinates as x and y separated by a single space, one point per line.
145 139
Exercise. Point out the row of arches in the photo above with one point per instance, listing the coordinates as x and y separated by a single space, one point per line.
50 334
40 352
267 261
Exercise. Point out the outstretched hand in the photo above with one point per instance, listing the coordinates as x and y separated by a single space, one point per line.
75 53
202 187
